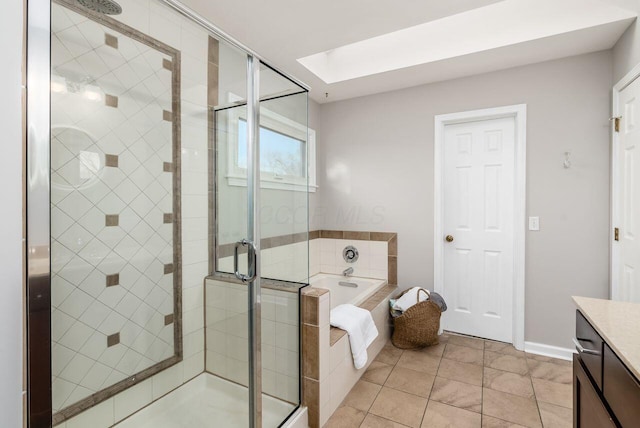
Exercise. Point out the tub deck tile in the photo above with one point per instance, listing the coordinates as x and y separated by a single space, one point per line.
336 334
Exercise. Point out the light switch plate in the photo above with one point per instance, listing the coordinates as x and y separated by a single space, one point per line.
534 223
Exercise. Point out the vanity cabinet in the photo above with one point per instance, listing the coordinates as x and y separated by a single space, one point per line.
605 392
588 409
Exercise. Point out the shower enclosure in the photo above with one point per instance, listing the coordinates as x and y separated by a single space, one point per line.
167 221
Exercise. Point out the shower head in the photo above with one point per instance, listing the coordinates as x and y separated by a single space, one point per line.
108 7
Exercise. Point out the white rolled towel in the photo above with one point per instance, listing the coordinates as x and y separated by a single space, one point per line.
362 331
410 298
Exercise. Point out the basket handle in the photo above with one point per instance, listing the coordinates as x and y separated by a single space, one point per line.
418 294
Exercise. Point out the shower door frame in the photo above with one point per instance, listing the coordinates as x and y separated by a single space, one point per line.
38 411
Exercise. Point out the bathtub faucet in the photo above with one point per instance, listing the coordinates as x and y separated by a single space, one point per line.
347 271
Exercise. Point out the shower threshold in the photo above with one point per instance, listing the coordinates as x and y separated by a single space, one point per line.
206 401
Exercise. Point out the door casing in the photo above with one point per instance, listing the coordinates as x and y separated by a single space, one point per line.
614 250
519 113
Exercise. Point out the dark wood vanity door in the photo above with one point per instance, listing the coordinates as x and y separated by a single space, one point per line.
621 390
588 409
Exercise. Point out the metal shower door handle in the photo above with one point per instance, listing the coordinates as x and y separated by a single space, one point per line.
252 255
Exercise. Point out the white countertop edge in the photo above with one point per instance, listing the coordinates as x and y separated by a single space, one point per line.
626 348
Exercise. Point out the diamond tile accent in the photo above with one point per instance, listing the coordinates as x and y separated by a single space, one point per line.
111 41
109 245
111 100
168 319
167 218
111 161
167 167
111 220
168 268
113 279
113 340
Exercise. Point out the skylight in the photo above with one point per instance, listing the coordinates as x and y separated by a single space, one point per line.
498 25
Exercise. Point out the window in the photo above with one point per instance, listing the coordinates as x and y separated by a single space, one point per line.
280 154
286 157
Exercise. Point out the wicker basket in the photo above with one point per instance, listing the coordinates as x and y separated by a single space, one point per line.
418 326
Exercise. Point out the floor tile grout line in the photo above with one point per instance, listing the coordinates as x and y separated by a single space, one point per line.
535 397
434 381
381 386
382 417
482 386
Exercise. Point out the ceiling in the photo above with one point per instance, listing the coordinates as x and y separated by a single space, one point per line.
285 31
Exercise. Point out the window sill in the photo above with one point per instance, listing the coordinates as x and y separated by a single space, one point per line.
266 183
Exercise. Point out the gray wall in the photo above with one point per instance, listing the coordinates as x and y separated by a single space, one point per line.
626 52
11 225
376 173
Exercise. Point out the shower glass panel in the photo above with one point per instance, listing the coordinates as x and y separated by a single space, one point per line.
284 225
115 207
283 240
150 160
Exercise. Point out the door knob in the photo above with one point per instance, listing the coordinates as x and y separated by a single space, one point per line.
448 238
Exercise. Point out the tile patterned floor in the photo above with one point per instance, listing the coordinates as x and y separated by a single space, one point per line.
463 382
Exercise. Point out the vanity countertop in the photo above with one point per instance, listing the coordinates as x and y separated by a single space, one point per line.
619 325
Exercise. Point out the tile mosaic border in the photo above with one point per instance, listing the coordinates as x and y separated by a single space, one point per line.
104 394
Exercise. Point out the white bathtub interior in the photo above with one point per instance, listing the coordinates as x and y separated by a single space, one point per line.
342 294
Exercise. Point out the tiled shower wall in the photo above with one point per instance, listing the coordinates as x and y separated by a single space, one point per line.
112 207
166 26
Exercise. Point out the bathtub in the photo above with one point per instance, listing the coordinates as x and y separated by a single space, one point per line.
341 294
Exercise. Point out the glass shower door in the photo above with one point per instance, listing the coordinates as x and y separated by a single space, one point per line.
278 200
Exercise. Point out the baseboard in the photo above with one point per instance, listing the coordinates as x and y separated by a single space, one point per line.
549 350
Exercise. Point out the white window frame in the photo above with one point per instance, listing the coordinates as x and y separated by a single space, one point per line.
237 176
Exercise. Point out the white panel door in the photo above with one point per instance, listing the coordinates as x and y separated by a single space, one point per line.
628 195
478 185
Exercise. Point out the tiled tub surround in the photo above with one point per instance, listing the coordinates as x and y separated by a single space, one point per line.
166 26
284 257
116 292
378 254
227 337
328 370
